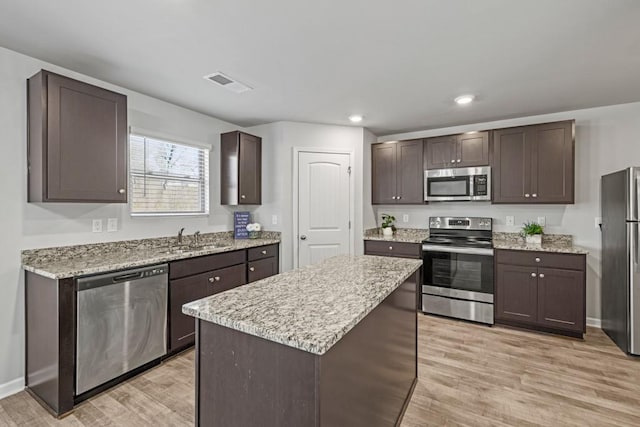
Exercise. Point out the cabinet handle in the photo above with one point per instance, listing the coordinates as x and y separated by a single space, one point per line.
534 195
243 197
214 279
526 195
399 197
458 160
453 160
263 252
393 197
533 274
121 191
538 260
252 269
390 248
541 275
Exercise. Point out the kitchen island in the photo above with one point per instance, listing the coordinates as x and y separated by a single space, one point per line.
333 344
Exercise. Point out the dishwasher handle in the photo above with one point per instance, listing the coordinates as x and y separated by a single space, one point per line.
130 276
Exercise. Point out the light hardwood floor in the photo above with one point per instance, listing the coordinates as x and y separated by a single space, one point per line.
470 375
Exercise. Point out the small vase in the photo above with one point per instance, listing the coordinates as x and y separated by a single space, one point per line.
254 234
534 240
387 232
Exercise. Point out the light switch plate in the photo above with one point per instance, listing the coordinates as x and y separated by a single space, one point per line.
112 225
511 220
405 218
274 219
542 220
97 226
598 221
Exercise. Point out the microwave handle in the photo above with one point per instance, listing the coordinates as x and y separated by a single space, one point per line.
472 187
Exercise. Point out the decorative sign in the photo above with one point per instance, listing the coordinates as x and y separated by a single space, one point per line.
240 221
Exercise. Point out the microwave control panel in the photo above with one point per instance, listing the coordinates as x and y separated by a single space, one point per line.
481 185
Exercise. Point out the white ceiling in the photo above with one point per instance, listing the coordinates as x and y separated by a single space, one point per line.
400 63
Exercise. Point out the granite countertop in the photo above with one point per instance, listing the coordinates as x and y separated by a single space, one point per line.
80 260
311 308
406 235
558 243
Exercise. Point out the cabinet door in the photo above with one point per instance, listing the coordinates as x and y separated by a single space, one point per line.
516 292
440 152
383 173
250 170
473 149
86 142
409 167
561 296
261 269
552 163
511 166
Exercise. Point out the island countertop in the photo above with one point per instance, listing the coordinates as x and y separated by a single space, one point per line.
311 308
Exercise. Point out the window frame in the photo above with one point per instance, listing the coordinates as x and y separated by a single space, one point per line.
206 170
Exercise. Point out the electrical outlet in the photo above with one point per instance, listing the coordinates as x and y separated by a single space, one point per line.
112 225
274 219
598 221
97 226
405 218
542 220
511 220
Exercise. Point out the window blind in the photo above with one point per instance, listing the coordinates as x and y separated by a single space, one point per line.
167 178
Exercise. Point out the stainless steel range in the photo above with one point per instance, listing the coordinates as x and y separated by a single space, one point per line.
458 268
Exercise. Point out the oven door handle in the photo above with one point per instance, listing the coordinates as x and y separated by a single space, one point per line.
448 249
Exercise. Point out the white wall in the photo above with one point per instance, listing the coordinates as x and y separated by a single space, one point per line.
606 140
30 225
278 142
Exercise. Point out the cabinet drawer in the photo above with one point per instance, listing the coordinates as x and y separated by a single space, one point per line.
262 252
398 249
261 269
201 264
541 259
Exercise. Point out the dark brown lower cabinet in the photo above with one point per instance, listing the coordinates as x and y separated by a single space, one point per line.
541 291
192 288
261 269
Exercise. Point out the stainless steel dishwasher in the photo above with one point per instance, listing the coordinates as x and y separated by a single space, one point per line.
121 323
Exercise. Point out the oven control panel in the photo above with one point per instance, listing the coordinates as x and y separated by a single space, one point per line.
460 223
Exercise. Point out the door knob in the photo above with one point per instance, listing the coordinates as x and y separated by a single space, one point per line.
393 197
390 248
263 252
121 191
533 274
526 195
243 197
534 195
538 259
453 160
459 160
541 275
303 237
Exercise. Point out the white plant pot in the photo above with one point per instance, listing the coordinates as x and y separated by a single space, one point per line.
387 232
535 240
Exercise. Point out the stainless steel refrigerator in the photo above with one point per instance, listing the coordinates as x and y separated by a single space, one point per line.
620 290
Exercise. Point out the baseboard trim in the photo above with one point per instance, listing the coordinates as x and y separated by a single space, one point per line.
11 387
594 322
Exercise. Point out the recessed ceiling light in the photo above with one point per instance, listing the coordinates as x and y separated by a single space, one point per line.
464 99
355 118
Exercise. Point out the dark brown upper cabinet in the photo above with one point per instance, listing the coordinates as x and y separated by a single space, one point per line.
534 164
240 169
456 151
77 141
397 172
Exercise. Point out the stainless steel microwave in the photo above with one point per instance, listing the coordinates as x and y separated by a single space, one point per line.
459 184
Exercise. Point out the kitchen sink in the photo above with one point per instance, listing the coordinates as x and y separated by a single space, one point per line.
184 249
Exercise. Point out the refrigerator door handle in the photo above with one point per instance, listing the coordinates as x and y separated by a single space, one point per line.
634 290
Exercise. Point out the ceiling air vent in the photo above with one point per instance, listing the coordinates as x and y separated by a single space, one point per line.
227 82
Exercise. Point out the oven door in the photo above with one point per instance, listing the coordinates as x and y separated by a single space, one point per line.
462 273
448 188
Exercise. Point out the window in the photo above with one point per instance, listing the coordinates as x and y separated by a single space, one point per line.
167 178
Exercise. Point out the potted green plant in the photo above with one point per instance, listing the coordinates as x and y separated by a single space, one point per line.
387 225
532 232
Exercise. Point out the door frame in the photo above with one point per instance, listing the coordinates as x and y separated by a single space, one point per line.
296 201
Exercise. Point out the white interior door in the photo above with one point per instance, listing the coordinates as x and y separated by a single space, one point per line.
324 206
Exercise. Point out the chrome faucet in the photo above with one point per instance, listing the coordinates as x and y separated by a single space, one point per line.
196 239
180 236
